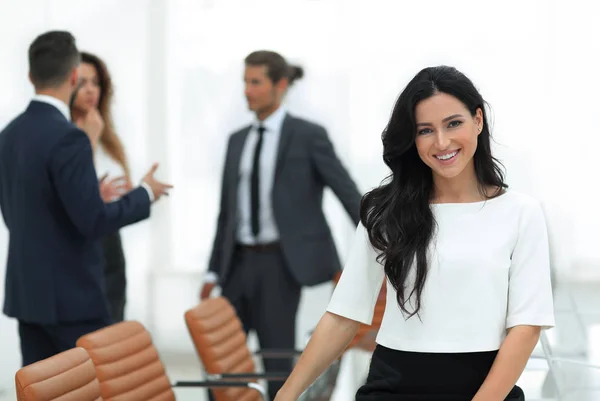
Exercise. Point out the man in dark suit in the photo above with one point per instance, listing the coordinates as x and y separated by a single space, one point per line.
272 237
51 205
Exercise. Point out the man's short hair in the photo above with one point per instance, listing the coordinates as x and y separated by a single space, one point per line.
52 57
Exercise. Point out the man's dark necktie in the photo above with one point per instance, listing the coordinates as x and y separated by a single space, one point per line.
254 184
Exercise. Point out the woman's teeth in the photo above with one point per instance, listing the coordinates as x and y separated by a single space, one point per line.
447 156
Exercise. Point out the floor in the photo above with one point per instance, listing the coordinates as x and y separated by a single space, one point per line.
576 337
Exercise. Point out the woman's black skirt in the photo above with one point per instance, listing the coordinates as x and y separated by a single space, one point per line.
115 281
414 376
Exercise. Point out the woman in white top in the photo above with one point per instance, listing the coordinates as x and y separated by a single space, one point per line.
91 110
467 258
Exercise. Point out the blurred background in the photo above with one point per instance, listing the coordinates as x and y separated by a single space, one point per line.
177 67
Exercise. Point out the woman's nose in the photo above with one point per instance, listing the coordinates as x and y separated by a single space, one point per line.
442 140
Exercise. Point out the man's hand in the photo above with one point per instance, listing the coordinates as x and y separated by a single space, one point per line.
206 290
158 188
111 190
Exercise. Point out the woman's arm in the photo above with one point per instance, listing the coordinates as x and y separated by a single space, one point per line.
509 364
530 304
330 338
353 302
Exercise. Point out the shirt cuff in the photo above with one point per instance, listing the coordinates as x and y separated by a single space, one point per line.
545 321
149 190
210 277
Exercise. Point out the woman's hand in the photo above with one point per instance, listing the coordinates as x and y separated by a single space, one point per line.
330 338
282 397
92 124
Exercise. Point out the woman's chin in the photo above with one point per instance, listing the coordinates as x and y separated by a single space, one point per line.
82 107
448 173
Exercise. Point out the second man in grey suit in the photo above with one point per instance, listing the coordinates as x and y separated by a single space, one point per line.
272 236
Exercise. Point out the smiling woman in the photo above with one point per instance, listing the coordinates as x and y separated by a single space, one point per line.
467 260
437 145
447 139
441 142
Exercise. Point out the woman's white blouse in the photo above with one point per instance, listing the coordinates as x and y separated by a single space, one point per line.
489 270
106 164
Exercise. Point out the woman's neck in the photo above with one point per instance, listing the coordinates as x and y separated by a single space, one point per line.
460 189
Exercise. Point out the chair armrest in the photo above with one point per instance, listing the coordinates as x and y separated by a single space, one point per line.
269 376
278 353
222 384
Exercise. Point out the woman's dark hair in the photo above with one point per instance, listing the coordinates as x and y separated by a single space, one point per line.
277 67
397 214
109 140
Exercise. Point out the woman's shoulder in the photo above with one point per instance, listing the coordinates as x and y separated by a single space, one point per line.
518 198
517 203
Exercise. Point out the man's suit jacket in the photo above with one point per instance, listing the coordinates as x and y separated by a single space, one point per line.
306 164
51 204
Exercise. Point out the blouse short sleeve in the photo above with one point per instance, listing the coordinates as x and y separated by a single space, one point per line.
356 293
530 300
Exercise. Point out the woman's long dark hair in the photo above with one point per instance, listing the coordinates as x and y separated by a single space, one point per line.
397 214
109 140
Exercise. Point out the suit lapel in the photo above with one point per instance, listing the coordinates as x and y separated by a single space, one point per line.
287 131
237 147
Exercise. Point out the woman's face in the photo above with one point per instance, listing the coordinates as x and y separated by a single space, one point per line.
88 95
447 134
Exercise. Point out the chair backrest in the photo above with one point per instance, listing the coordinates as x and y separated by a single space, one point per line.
220 342
68 376
127 363
365 337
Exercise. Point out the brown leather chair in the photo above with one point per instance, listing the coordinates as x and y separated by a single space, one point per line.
129 368
220 342
68 376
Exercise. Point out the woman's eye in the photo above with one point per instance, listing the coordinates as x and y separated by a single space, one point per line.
454 124
424 131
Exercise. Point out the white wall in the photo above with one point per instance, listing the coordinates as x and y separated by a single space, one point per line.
535 61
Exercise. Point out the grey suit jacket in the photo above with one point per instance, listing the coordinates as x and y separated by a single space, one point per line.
306 164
